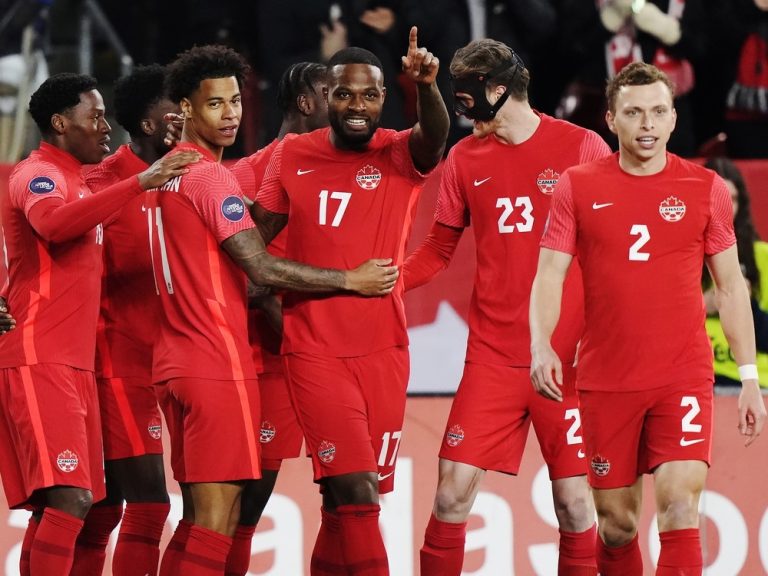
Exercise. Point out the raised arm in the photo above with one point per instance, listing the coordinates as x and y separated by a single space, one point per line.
430 133
546 295
736 319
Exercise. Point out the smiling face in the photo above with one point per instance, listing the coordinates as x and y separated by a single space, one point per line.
212 114
355 99
643 118
84 129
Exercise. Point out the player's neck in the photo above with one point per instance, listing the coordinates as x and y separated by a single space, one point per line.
516 123
216 151
639 166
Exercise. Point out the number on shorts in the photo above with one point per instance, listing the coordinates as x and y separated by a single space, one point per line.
385 447
686 424
571 437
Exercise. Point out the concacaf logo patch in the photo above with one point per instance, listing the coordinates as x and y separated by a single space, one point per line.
672 209
267 432
600 466
327 451
547 180
454 436
368 177
155 429
41 185
233 208
67 461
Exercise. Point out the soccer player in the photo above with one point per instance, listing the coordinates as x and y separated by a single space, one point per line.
301 99
344 191
202 239
500 179
50 437
642 222
130 417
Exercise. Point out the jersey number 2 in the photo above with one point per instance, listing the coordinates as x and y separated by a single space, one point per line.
634 250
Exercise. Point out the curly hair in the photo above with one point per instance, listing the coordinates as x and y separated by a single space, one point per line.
482 56
136 94
56 95
635 74
298 79
203 63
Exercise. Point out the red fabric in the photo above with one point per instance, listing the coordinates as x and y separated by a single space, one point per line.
327 558
26 546
443 550
361 542
138 545
432 257
239 558
54 545
577 553
171 563
205 553
620 561
91 546
680 553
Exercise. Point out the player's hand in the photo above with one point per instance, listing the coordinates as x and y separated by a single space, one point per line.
373 277
167 167
751 411
380 19
545 363
7 322
174 124
419 64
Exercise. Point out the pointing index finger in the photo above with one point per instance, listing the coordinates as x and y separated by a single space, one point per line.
412 39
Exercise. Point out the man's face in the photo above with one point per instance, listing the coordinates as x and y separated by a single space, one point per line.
85 129
154 126
643 120
213 112
355 99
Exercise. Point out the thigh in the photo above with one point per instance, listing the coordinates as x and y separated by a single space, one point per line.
173 412
488 424
280 434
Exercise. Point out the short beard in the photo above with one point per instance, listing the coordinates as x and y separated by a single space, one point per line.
352 141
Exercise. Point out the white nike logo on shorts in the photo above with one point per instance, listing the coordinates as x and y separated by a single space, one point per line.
684 442
384 476
596 206
301 172
483 181
580 453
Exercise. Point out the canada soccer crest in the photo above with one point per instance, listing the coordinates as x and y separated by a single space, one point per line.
155 429
327 451
368 177
600 466
546 181
454 436
672 209
267 432
67 461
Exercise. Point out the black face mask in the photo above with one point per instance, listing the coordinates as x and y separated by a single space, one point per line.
475 84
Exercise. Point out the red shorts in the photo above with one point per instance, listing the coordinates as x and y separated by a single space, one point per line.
130 418
492 411
280 432
213 429
50 432
351 410
627 434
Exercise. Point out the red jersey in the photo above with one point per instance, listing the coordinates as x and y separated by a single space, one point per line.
54 288
265 342
641 242
345 207
204 331
129 303
504 191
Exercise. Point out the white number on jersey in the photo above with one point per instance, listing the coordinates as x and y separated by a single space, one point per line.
634 250
686 424
163 251
527 215
342 197
385 448
571 437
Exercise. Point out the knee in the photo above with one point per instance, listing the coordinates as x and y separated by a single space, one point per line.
357 488
616 527
76 502
452 504
678 512
575 512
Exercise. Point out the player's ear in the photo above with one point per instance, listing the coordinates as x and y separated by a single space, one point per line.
147 126
58 123
186 108
611 121
304 104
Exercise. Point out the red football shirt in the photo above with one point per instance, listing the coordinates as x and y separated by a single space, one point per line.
54 288
344 207
204 330
504 191
641 242
129 303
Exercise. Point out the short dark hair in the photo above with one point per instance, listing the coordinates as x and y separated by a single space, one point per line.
202 63
299 78
354 55
482 56
136 94
56 95
635 74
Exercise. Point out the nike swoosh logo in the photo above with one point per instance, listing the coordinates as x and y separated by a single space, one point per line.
385 476
580 453
301 172
483 181
596 206
684 442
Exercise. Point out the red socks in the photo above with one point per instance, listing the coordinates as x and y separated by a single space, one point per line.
620 561
206 553
239 558
171 564
26 546
91 545
54 546
138 545
443 550
327 559
361 542
680 553
577 553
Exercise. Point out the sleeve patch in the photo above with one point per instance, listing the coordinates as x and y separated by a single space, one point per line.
233 208
41 185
